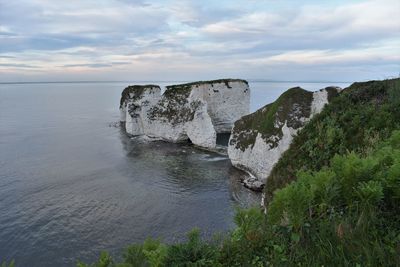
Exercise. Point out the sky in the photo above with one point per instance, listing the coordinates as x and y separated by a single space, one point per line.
171 40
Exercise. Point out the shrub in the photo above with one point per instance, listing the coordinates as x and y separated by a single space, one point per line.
194 252
11 264
360 117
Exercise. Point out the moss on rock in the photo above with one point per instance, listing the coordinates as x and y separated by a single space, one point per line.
332 92
290 107
174 106
135 92
187 86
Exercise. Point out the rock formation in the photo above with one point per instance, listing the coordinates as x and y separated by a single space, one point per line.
259 139
195 111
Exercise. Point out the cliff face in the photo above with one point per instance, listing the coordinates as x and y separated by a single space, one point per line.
195 111
136 101
258 140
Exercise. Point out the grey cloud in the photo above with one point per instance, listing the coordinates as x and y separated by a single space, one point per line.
52 27
200 15
18 65
120 63
96 65
190 33
90 65
342 27
134 2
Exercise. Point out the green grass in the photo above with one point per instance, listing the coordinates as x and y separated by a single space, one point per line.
361 115
4 264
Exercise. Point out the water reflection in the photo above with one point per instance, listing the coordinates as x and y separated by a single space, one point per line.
189 169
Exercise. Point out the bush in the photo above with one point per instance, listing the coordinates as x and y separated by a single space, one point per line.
360 117
194 252
351 208
4 264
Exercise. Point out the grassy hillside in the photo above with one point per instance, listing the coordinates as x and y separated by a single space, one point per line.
361 115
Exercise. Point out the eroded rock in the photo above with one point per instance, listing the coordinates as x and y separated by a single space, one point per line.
194 111
259 139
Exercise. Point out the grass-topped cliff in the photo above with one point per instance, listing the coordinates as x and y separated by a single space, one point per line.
135 91
174 106
361 115
188 86
292 105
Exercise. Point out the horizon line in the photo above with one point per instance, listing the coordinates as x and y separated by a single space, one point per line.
160 81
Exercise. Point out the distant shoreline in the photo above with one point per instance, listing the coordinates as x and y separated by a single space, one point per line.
146 81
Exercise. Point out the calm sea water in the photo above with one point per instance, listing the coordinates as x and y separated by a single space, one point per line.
71 185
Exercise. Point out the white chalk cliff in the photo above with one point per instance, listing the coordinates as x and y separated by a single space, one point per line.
194 111
259 139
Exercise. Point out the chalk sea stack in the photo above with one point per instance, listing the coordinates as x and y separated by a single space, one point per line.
195 111
259 139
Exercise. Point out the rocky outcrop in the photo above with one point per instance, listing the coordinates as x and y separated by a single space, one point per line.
259 139
193 111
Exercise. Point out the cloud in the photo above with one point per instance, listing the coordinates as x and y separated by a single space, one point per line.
353 23
15 65
326 57
95 65
171 38
90 65
75 23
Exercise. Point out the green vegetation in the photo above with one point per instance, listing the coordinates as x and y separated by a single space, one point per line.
332 92
174 110
11 264
174 106
292 105
361 115
346 214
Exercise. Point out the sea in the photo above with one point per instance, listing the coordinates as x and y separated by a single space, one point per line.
73 184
